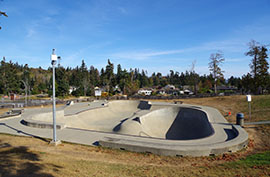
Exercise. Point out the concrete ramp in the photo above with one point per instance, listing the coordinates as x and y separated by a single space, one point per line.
190 124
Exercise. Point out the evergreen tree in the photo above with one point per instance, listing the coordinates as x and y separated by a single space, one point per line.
62 82
84 78
109 77
263 67
259 66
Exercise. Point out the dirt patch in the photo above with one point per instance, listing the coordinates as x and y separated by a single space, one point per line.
4 110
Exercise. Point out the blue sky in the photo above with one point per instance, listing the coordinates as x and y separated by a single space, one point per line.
155 35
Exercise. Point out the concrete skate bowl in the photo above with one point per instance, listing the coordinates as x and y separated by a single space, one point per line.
160 128
172 123
139 118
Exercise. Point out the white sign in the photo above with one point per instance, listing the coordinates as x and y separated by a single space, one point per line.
249 98
54 57
97 92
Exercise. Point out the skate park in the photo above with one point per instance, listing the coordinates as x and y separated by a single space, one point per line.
141 126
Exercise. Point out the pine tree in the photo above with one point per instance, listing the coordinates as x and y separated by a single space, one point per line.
259 66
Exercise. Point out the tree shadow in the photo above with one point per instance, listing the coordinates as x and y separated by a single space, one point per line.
20 161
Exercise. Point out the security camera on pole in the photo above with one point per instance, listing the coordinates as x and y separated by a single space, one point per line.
54 61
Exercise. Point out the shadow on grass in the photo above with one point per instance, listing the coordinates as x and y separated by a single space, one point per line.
19 161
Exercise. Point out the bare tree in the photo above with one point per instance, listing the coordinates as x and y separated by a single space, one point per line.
216 59
254 50
194 77
4 14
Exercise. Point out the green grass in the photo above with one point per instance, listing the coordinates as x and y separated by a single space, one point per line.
259 159
260 108
261 102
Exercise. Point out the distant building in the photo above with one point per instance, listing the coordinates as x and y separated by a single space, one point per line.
188 92
117 90
169 87
181 92
224 88
171 90
161 92
145 92
72 89
13 96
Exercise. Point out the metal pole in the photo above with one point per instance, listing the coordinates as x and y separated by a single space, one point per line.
54 108
249 107
25 95
54 61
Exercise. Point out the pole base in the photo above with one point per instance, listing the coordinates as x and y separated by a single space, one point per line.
55 143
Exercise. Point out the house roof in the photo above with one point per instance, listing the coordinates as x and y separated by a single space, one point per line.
223 87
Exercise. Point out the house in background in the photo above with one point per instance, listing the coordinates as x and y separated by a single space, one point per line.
169 87
145 91
117 90
224 88
72 89
13 96
188 92
171 90
161 92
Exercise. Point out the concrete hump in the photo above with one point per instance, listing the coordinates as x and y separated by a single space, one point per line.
190 124
144 105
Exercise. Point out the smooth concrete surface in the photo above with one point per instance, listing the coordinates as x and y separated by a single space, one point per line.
161 128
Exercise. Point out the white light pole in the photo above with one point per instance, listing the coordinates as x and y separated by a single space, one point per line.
249 105
54 61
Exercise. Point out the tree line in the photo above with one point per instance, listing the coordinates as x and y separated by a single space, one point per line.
82 80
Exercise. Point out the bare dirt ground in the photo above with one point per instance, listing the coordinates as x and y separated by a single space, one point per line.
4 110
24 156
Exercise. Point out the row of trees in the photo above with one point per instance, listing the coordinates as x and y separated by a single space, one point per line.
20 79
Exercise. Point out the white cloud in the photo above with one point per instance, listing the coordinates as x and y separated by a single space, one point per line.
30 33
141 55
123 10
232 60
225 46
